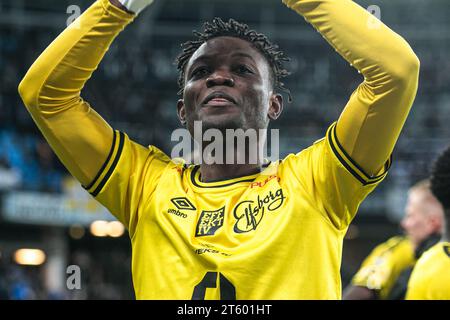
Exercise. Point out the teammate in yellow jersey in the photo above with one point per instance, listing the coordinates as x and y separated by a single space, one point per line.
385 272
230 231
380 270
430 279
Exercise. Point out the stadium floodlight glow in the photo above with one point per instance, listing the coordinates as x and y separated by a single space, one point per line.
115 229
29 257
99 228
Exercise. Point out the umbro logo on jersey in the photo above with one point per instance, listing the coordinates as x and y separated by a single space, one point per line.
209 222
183 203
177 213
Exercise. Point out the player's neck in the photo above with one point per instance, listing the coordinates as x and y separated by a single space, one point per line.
219 172
232 162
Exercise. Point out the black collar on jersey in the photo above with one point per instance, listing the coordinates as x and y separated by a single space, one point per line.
447 249
225 182
427 244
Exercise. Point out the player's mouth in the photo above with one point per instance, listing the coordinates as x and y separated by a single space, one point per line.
218 99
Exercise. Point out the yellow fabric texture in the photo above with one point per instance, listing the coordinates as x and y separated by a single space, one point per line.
384 264
378 108
275 235
430 279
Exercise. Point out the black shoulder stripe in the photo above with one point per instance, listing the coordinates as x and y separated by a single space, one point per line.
105 163
365 179
343 162
366 176
113 166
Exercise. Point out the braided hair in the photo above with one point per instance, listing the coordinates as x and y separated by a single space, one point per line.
440 179
219 28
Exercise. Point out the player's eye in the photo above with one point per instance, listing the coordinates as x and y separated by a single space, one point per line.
200 72
243 69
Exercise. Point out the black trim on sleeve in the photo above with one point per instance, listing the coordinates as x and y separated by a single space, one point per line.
344 163
353 162
105 163
113 166
348 162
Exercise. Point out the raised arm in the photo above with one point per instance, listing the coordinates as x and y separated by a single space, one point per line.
51 89
370 124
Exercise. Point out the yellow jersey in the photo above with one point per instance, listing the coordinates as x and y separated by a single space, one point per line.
430 279
274 235
380 270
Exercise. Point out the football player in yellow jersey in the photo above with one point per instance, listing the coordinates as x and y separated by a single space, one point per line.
230 231
430 279
385 272
380 270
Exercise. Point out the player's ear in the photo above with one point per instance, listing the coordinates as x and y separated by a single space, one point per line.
276 106
181 110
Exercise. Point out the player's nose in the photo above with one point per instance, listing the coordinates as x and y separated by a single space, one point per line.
220 78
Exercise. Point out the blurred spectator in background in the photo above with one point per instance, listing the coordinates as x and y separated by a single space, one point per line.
384 274
430 279
28 163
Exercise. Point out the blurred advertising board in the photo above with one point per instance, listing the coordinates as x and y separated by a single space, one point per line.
74 206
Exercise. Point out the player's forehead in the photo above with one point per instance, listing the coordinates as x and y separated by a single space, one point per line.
418 202
413 201
418 193
220 48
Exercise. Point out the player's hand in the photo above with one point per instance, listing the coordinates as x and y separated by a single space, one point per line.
136 6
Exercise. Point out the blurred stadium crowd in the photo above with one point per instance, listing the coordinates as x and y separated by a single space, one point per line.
135 90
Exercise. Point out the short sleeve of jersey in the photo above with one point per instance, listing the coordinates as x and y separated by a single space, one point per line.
128 177
380 270
335 183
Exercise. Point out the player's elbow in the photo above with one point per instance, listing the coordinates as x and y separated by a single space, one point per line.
411 66
407 71
28 91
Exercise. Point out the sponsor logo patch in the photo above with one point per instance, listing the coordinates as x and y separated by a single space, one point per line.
209 222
